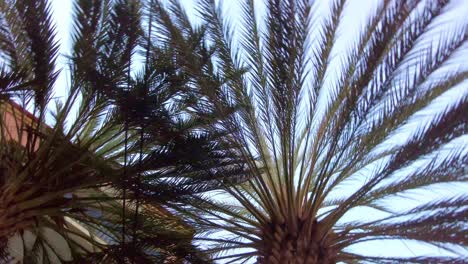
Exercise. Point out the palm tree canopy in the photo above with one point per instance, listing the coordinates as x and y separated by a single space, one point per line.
325 130
121 133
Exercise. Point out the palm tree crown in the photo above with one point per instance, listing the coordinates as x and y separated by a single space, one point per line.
317 128
74 189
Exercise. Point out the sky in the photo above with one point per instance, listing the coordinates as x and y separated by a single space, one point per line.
355 14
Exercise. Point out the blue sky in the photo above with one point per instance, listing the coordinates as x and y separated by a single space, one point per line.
356 13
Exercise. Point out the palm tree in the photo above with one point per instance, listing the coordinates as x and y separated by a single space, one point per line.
326 131
74 177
